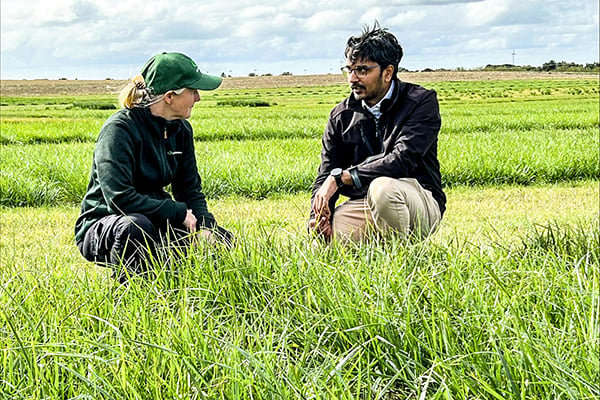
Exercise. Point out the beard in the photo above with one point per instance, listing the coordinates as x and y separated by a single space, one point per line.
360 93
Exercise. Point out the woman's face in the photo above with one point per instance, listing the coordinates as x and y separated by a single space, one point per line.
180 105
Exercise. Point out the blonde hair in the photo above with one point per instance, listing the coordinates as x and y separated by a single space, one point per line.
135 94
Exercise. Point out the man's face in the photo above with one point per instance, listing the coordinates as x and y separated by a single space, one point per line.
368 80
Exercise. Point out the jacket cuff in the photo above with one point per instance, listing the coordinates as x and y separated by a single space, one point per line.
180 212
206 222
355 179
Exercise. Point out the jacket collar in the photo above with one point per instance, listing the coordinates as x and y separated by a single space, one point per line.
377 109
157 124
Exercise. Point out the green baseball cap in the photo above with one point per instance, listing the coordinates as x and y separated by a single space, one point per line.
172 71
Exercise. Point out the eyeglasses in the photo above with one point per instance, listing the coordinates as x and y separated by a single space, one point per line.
360 70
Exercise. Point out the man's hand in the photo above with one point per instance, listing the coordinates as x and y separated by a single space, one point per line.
203 236
322 226
321 222
321 200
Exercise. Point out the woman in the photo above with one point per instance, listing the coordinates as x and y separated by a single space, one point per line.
141 149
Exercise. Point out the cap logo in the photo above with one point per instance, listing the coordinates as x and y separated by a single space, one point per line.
195 66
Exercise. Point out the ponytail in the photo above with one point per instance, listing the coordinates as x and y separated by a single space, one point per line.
133 93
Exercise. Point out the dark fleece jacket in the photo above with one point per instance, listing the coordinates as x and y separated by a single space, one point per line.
137 156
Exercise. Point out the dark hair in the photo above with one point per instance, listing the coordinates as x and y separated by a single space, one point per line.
375 44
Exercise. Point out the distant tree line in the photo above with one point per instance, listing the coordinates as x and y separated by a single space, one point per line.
550 66
267 74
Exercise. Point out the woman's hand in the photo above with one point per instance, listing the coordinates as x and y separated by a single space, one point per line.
190 221
204 236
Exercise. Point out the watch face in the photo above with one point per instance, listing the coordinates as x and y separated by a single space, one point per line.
336 172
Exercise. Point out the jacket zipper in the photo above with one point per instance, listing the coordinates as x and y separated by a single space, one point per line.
378 133
163 152
365 140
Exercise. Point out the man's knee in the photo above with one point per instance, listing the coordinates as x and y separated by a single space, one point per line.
384 191
402 205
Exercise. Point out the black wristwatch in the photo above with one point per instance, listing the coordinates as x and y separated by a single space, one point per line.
337 175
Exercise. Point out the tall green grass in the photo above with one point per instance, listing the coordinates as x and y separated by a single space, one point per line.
277 318
47 174
50 174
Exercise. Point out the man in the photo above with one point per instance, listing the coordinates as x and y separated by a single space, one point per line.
379 150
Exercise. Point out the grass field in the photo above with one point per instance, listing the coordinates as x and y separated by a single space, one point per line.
502 302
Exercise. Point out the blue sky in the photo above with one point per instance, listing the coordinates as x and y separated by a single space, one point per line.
98 39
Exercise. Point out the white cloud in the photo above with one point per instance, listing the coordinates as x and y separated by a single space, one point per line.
95 39
485 13
319 19
409 17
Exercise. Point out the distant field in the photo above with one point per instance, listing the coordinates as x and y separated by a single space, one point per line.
44 87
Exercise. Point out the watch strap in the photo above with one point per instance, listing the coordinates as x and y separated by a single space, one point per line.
338 180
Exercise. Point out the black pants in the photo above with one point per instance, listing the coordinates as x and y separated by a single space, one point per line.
127 241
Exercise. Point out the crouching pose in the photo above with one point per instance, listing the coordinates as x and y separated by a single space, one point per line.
141 150
379 150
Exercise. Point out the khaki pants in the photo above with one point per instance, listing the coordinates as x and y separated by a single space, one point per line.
392 206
